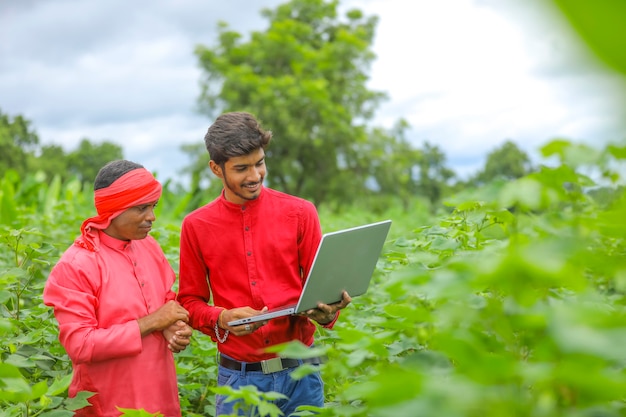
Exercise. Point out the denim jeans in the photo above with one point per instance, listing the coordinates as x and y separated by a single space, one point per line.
306 391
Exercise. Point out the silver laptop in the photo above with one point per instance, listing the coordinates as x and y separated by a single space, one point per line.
345 260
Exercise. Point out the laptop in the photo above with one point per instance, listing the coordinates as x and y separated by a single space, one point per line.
345 260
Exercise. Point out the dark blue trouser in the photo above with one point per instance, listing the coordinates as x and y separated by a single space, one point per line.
306 391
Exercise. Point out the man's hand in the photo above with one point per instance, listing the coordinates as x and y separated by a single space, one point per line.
326 313
240 313
178 336
168 314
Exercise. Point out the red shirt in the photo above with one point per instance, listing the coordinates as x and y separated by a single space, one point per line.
254 255
97 299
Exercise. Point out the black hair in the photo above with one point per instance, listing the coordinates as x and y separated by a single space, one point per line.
112 171
235 134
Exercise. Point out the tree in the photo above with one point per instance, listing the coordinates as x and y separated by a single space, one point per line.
392 164
88 158
52 160
20 150
507 162
17 141
201 176
304 78
434 176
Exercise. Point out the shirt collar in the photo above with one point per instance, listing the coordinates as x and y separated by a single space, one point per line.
113 242
249 205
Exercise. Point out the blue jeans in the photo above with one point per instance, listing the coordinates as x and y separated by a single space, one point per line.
306 391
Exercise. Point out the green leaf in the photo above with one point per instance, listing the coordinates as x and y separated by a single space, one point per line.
600 24
5 325
52 195
60 385
297 350
8 204
137 413
39 389
13 386
528 194
394 385
20 361
57 413
79 401
269 409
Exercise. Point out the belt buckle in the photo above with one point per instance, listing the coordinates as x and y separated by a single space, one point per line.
272 365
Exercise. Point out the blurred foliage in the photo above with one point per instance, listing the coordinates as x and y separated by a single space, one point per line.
512 302
600 23
16 139
507 162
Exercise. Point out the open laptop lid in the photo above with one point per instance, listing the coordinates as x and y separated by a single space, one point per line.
345 261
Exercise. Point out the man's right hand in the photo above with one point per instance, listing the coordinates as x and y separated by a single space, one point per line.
240 313
168 314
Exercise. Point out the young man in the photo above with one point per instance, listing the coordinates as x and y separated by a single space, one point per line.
250 250
112 297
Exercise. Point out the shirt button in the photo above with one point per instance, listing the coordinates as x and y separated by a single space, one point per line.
249 253
253 282
243 208
247 228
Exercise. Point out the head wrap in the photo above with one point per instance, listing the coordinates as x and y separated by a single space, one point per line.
134 188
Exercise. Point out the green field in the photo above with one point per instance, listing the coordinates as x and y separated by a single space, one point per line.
507 301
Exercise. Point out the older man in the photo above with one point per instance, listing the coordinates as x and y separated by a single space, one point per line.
112 297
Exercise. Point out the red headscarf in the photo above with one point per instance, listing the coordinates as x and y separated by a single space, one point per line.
134 188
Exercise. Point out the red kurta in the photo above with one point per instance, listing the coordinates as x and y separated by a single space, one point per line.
254 255
97 299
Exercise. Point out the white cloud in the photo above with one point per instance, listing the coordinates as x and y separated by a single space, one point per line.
467 75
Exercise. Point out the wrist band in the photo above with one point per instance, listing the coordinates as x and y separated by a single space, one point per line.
217 329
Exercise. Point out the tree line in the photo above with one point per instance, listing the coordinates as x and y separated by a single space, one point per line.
22 151
305 78
404 172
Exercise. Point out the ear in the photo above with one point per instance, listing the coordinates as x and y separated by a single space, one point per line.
216 169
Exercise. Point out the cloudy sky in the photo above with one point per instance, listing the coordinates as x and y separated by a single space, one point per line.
466 74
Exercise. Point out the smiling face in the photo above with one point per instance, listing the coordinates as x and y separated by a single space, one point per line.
242 176
133 224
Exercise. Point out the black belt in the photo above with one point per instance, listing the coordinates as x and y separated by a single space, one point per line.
267 366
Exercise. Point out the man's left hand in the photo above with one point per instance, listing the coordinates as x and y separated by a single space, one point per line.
326 313
178 336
